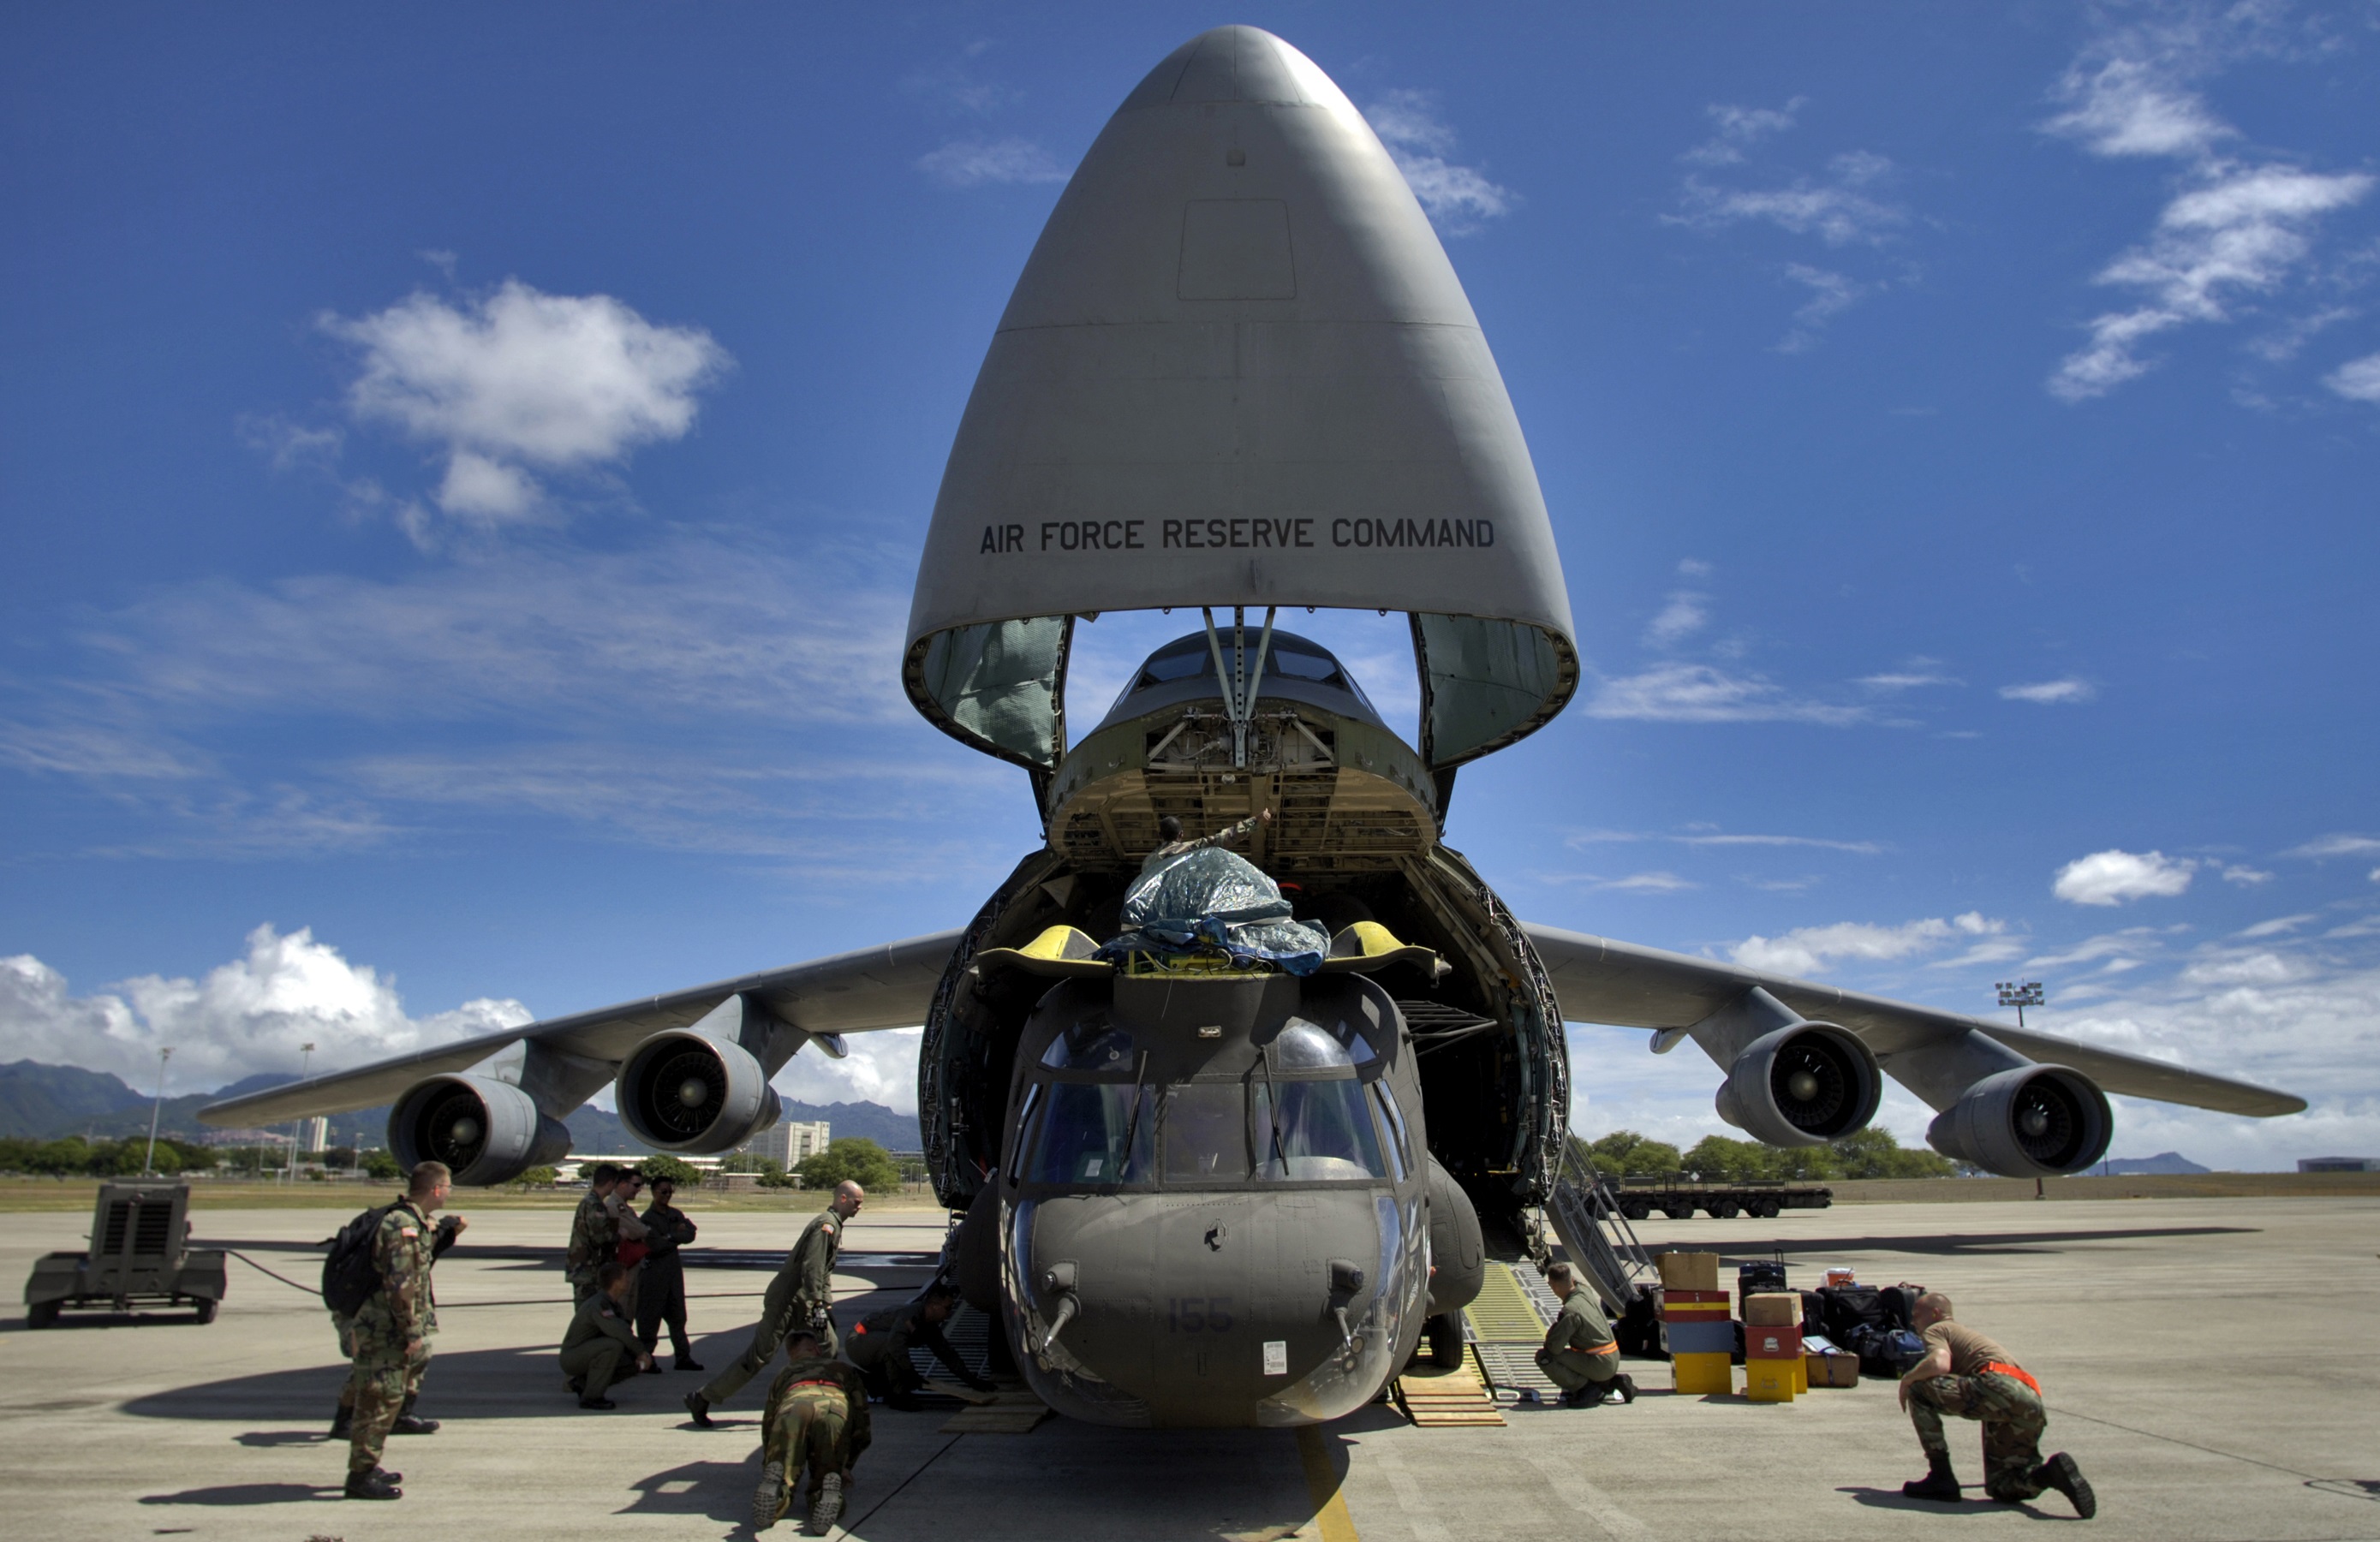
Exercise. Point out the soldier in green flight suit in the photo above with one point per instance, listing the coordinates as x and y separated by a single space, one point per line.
801 1296
816 1416
393 1328
600 1348
880 1345
1579 1355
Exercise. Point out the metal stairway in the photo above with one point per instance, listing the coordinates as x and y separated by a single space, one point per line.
1584 1210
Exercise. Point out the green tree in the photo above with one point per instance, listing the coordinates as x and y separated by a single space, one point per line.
685 1175
378 1163
853 1159
1873 1153
340 1159
57 1158
1626 1152
1722 1161
774 1176
535 1178
17 1154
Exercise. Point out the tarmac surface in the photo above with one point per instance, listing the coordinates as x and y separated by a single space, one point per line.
2210 1363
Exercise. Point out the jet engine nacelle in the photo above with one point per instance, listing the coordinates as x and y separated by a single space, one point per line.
1802 1084
688 1090
2033 1121
486 1131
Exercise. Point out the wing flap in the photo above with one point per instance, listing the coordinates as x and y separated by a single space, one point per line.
887 987
1630 986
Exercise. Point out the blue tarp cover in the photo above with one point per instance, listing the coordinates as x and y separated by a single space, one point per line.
1213 901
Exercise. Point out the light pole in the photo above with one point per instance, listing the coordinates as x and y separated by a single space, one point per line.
2019 995
304 1064
149 1162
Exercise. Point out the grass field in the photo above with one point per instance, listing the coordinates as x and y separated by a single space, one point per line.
23 1195
2204 1185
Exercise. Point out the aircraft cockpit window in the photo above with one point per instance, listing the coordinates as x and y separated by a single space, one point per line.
1313 1132
1177 661
1206 1132
1092 1046
1304 1046
1400 1145
1083 1133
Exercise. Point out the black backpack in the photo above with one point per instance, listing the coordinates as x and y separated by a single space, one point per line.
349 1274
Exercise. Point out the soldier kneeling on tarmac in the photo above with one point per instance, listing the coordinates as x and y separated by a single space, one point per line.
1966 1374
601 1349
1580 1355
816 1416
880 1346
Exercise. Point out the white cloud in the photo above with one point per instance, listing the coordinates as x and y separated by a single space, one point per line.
1834 210
1693 567
520 380
976 162
2357 379
1648 883
2112 877
2051 693
1704 835
2236 228
1831 294
1685 615
1698 693
1919 674
1807 950
2278 926
2336 845
881 1068
2244 876
246 1017
1457 198
1737 128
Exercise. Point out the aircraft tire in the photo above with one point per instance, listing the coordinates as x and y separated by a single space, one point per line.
1444 1336
42 1314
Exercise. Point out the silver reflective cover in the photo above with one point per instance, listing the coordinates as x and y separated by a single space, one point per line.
1238 369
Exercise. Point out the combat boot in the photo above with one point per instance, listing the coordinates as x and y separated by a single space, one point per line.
685 1364
769 1499
2061 1474
827 1506
1625 1385
699 1406
1584 1397
343 1423
1939 1482
410 1423
600 1405
372 1484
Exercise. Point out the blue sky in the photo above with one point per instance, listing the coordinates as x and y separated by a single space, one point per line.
464 470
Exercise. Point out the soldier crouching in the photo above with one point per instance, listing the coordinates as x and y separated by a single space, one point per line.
1965 1373
1579 1355
816 1416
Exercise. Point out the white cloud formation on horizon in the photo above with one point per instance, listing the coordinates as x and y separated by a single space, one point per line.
2051 693
2236 228
518 381
2112 877
881 1068
1458 199
977 163
241 1018
1700 693
1807 950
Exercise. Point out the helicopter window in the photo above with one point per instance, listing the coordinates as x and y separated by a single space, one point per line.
1400 1144
1090 1046
1304 1046
1083 1136
1308 1132
1182 660
1206 1132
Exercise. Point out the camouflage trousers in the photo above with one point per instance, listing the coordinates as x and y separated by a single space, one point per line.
345 1327
779 1316
805 1427
2013 1418
385 1376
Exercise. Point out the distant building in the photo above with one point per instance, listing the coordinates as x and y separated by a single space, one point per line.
243 1137
314 1135
789 1143
2339 1164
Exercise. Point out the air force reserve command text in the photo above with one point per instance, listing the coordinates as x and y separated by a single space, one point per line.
1242 534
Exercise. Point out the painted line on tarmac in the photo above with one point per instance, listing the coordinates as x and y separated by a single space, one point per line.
1322 1486
1591 1501
2177 1441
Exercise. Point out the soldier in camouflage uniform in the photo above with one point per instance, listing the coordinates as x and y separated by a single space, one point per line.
801 1296
408 1421
816 1416
594 1234
393 1328
1966 1374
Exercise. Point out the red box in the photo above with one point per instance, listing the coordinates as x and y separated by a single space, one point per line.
1772 1343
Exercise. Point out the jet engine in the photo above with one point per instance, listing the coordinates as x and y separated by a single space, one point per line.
2033 1121
1803 1084
486 1131
686 1091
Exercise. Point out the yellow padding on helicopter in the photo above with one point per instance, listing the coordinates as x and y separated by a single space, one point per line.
1058 952
1368 945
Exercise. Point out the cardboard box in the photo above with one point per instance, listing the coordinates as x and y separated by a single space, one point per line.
1688 1272
1769 1380
1832 1369
1781 1309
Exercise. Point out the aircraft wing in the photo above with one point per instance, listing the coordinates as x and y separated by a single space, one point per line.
886 987
1600 980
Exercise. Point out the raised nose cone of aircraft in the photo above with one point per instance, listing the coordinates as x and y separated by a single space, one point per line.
1238 369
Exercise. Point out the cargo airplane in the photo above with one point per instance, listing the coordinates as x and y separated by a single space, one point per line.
1239 376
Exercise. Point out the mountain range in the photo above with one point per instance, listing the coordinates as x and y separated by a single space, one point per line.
2164 1163
50 1102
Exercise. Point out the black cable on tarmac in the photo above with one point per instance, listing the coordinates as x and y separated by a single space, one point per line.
854 1525
262 1270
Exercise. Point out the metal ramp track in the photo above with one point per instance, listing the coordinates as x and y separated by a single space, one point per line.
1507 1324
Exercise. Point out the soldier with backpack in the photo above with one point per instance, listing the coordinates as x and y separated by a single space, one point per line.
393 1327
347 1278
